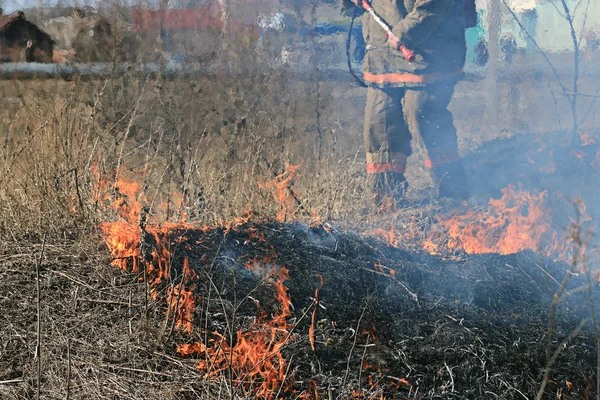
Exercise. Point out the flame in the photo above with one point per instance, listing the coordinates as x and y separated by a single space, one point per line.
182 304
586 138
124 236
122 240
391 236
281 187
312 393
256 357
237 222
518 221
313 320
255 354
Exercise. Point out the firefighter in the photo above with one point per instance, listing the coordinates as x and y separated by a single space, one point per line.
409 101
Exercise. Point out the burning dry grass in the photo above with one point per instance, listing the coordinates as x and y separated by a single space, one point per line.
209 299
243 337
517 221
58 142
256 357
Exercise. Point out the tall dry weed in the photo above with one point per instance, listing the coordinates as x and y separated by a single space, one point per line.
209 140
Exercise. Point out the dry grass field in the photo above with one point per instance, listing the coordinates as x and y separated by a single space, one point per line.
204 153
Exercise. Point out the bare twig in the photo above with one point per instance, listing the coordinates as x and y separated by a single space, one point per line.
353 346
18 153
38 351
412 294
11 381
589 286
68 369
81 283
555 106
451 377
313 14
543 53
585 18
141 371
130 312
287 373
78 191
118 303
591 106
571 336
578 246
362 361
127 131
573 99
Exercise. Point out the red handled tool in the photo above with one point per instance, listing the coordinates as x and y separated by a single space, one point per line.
408 54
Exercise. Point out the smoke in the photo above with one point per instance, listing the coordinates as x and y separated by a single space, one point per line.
525 118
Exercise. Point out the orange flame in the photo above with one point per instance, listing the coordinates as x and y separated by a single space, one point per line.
313 319
586 138
256 355
312 393
280 187
517 221
391 236
182 304
123 236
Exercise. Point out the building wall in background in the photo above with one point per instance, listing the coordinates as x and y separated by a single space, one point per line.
549 29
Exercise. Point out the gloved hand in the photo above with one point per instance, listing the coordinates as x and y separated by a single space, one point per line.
393 42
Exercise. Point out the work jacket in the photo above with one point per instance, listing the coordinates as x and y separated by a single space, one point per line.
433 29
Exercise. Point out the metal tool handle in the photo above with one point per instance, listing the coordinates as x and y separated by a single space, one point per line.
407 53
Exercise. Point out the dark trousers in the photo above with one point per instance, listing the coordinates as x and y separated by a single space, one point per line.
396 116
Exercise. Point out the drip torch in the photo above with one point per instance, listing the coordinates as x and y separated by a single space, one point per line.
408 54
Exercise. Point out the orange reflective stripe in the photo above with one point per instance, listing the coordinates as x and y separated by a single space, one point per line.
441 160
378 168
406 77
381 157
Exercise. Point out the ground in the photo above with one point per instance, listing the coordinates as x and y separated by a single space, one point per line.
446 326
434 328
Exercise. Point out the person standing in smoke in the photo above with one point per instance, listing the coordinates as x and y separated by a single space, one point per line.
407 101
